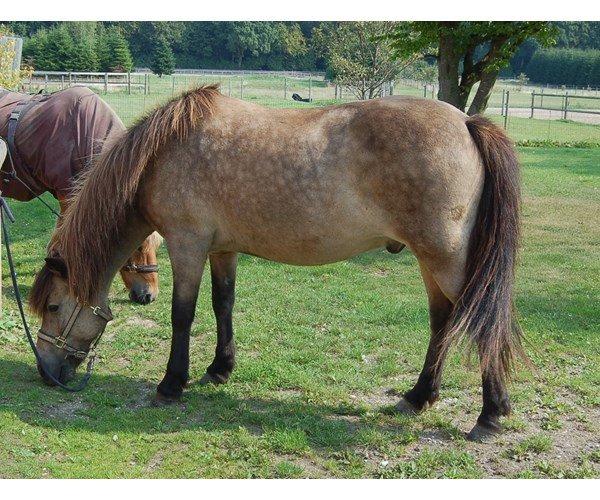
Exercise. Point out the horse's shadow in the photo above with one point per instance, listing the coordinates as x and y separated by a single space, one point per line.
115 403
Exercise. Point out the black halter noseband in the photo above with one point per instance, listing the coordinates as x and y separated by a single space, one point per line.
61 341
143 269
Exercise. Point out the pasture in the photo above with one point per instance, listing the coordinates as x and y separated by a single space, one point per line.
323 355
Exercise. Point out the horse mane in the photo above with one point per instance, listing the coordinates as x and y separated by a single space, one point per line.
40 290
102 196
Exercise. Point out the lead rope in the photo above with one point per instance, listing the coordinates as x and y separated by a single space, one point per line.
13 275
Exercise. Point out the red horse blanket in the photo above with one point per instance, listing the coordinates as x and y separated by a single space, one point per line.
55 138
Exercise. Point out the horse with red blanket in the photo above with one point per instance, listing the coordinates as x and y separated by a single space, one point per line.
51 140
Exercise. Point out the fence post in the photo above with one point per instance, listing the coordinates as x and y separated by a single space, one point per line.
241 87
566 104
502 104
229 80
62 82
284 88
532 103
425 91
392 87
106 83
310 88
70 79
145 83
506 110
542 98
46 83
129 82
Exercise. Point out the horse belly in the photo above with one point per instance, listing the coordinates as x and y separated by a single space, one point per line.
305 238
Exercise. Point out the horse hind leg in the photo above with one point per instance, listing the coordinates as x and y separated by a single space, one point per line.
426 390
448 278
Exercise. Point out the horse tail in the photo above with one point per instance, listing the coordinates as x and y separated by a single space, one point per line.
484 312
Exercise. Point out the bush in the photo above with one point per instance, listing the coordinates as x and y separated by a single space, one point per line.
565 67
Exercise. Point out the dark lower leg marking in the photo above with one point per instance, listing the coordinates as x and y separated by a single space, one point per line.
177 374
496 404
223 270
426 390
188 265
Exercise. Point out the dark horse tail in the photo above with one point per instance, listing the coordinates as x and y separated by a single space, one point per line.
484 312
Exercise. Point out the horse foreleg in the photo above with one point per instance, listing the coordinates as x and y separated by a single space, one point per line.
223 269
187 260
426 390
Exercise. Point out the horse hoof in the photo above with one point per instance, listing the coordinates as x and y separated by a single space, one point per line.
483 433
207 379
405 407
162 400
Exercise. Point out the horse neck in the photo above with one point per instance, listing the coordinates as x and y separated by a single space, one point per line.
133 232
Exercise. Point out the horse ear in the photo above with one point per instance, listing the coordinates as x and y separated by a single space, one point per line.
57 266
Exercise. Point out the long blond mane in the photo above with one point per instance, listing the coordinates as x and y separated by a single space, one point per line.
103 195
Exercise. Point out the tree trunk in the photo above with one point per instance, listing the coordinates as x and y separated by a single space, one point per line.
480 101
448 64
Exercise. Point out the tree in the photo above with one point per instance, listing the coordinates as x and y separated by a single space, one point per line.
358 55
121 57
9 77
252 37
84 37
57 50
457 47
163 61
112 50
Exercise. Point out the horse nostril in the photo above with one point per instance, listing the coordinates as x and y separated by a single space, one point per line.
147 298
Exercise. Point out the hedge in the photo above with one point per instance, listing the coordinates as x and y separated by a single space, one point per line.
574 67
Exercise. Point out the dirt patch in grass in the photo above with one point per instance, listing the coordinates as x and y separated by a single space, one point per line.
299 467
143 399
377 398
528 447
141 322
67 410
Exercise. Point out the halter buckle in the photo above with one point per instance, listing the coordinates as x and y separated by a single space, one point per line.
95 310
60 342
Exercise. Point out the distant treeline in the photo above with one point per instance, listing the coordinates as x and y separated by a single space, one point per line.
574 67
223 45
120 46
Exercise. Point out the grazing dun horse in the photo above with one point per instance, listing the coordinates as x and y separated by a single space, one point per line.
217 176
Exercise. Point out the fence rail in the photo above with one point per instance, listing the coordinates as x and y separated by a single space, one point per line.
563 105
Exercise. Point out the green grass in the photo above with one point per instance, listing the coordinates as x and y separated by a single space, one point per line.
322 355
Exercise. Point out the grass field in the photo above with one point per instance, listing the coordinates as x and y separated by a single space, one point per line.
323 354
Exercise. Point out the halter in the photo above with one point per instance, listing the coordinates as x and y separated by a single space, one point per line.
60 341
143 269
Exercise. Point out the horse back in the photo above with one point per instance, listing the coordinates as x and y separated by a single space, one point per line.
56 137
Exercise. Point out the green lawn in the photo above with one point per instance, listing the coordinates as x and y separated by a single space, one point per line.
322 355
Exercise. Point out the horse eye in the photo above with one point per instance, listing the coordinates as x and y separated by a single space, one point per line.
52 308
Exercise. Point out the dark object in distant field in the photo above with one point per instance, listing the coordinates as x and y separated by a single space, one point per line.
297 97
